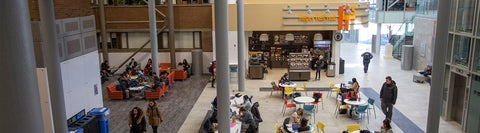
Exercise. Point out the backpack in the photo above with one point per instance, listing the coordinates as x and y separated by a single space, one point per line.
367 56
210 69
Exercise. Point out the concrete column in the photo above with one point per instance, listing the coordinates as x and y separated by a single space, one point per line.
52 63
153 34
438 71
171 33
221 43
241 45
378 39
103 29
20 97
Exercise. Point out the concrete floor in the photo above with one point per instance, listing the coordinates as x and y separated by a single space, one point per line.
412 98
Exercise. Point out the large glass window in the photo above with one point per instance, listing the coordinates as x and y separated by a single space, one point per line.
465 15
453 10
183 39
461 50
427 7
448 58
476 64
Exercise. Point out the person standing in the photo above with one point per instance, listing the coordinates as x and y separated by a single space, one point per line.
136 121
213 69
388 96
320 64
367 56
154 115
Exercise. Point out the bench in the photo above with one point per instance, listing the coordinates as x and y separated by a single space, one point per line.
160 91
113 93
179 74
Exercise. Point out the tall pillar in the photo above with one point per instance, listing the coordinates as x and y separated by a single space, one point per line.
103 30
221 43
241 46
171 33
52 63
438 71
153 34
19 99
378 37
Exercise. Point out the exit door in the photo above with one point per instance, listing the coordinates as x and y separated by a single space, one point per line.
458 97
473 116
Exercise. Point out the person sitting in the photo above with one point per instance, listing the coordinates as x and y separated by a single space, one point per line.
106 68
247 103
304 126
297 115
354 88
248 123
164 78
284 79
185 65
148 68
238 100
427 71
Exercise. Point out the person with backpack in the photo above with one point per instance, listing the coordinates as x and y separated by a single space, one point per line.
367 56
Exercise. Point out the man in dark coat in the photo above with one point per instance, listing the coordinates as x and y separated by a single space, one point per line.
367 56
388 96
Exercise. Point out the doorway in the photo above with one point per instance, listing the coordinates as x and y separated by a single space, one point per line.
473 117
458 97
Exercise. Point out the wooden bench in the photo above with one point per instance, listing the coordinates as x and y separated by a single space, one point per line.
113 93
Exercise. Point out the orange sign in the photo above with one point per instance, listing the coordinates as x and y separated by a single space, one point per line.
345 14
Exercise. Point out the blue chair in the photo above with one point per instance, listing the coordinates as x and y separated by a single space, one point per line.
309 109
362 110
371 106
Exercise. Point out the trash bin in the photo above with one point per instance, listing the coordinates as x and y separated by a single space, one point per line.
407 57
197 62
331 69
89 124
341 66
75 130
102 114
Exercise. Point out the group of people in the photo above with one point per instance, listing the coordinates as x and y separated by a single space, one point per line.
137 121
298 120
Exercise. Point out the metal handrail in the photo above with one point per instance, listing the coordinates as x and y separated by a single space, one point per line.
138 50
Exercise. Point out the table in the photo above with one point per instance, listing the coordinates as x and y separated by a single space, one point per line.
287 85
290 129
304 99
358 131
354 104
136 91
234 127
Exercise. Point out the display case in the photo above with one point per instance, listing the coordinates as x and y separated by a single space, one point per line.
299 66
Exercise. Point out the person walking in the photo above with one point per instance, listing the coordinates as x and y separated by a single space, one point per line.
154 115
367 56
136 121
213 69
320 64
388 96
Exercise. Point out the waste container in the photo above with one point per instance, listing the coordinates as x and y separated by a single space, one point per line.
407 57
341 66
89 124
75 130
331 69
197 62
102 114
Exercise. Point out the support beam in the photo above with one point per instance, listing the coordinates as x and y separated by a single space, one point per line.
103 30
171 32
378 40
438 72
20 97
221 49
241 46
153 35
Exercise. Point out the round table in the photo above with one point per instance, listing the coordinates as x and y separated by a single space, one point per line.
304 99
357 102
288 85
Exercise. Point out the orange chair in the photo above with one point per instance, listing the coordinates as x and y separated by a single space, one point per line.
171 77
160 91
164 67
180 74
287 105
113 93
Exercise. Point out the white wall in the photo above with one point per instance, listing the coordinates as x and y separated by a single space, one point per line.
232 47
79 76
137 39
115 59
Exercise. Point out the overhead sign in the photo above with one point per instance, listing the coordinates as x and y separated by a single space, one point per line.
345 14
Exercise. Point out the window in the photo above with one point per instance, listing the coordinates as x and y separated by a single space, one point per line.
448 58
452 15
183 39
465 15
461 50
476 66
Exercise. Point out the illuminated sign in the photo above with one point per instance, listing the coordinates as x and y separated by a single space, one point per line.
345 14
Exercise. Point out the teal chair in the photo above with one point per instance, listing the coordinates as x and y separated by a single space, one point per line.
309 109
371 106
362 110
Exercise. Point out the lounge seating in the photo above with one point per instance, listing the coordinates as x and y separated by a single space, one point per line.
171 77
160 91
180 74
113 93
164 66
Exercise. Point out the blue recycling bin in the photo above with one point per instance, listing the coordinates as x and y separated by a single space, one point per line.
75 130
102 114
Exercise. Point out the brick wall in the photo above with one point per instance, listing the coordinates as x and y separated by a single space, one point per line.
63 9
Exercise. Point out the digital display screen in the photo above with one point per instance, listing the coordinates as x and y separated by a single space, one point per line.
322 44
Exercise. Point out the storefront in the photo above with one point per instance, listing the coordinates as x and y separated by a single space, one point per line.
293 34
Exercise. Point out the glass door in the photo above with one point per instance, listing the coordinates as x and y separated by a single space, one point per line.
473 117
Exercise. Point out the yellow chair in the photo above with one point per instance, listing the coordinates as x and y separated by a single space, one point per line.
333 88
353 127
288 90
277 128
302 89
320 126
340 106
